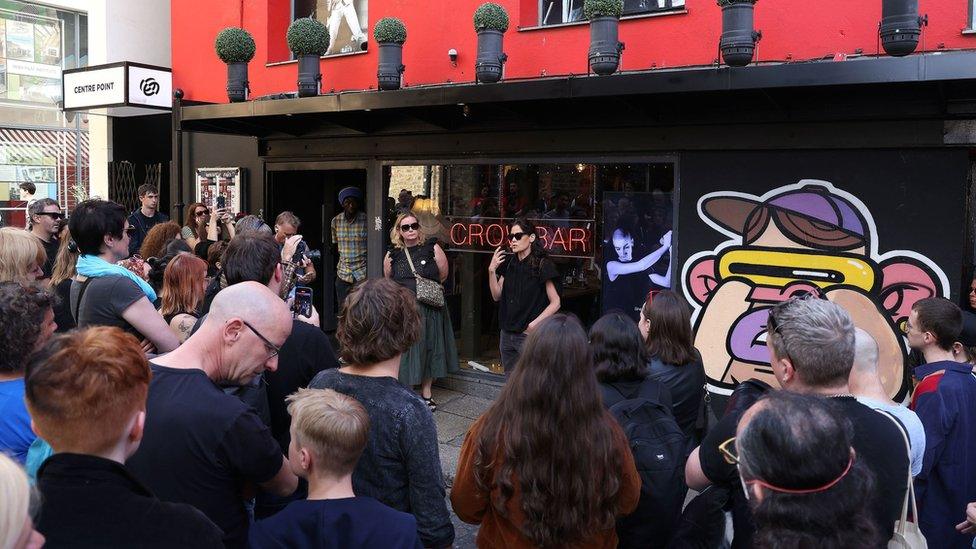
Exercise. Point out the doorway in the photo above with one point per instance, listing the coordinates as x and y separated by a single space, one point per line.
312 196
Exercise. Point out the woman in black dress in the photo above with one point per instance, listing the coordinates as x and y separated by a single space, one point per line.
435 354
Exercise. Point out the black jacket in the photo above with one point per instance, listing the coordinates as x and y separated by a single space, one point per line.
88 501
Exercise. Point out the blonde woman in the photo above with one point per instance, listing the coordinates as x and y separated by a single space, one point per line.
435 354
21 256
61 275
16 527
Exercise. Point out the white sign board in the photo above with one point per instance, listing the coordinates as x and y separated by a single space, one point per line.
151 87
99 87
128 88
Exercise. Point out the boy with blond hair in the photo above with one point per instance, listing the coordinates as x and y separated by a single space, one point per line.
329 431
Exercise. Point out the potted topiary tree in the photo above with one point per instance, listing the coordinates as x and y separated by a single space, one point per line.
490 22
235 46
900 26
390 33
604 16
308 39
738 42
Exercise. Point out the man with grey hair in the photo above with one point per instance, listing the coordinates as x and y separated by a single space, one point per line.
44 218
811 346
868 389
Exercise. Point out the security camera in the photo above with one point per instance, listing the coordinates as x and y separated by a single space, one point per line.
452 53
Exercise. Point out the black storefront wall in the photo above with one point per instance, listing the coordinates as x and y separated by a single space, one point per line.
910 206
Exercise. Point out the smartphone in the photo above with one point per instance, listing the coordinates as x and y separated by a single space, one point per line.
221 201
303 301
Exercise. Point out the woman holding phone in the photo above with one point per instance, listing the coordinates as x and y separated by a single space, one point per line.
523 282
435 354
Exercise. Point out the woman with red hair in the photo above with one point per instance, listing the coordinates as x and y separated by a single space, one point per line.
184 282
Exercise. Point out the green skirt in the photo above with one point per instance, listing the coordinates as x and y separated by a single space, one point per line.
435 354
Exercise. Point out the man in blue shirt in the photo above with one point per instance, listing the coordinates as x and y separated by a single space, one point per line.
946 404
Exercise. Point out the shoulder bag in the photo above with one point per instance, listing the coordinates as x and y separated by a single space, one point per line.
429 292
907 534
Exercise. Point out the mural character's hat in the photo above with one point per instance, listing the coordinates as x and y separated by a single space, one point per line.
814 215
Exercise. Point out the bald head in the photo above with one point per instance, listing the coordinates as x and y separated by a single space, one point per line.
865 352
257 305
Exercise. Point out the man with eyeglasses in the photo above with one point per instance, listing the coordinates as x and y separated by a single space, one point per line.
45 222
811 346
201 445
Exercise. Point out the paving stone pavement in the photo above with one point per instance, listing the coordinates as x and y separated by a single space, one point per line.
455 414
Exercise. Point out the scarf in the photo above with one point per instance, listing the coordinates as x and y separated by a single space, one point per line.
94 266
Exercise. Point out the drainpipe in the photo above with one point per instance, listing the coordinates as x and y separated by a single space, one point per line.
176 166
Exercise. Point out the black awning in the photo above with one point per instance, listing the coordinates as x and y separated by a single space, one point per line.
635 97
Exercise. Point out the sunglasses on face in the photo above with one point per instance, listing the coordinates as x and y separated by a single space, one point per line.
514 237
409 227
200 213
52 215
728 451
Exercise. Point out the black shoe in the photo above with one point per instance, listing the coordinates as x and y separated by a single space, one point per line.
431 404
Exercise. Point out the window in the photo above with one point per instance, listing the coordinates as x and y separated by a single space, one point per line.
345 19
555 12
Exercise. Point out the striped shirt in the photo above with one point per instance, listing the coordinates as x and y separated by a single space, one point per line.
350 238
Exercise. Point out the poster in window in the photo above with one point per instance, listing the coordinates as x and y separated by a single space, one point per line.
636 248
3 78
347 24
20 40
214 182
47 44
3 40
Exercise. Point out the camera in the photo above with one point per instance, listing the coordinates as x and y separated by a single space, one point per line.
314 255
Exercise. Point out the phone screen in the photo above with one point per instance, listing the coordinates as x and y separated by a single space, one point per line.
303 301
221 201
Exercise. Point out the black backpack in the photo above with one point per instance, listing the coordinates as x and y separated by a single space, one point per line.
659 448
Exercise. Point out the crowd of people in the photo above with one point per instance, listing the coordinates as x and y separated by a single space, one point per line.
174 398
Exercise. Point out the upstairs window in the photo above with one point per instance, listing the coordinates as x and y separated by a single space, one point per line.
346 20
557 12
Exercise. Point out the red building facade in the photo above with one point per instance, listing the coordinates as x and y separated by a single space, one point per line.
793 31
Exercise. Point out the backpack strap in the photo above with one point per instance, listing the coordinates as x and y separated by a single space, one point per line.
76 309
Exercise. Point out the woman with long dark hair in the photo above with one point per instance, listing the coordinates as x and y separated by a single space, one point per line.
523 282
665 323
194 228
806 485
547 465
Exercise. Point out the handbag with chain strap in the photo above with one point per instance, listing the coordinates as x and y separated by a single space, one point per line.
429 292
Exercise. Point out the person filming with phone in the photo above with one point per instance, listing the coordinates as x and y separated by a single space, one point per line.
523 282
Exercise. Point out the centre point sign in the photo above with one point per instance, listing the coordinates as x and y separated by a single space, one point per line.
128 87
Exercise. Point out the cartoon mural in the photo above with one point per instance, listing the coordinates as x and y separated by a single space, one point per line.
808 237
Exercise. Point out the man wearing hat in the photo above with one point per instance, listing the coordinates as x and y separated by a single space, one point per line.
349 236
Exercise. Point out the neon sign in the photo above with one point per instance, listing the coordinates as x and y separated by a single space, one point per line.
486 234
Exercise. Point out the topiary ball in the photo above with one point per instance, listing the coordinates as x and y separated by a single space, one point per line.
307 36
234 45
390 30
490 16
602 8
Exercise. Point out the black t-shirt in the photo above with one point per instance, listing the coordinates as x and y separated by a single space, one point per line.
306 352
104 300
201 447
62 310
523 291
627 293
876 440
51 251
142 225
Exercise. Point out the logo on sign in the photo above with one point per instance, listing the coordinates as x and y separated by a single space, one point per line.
149 86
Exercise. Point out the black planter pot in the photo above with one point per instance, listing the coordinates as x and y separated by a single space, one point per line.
900 26
309 75
738 42
604 47
488 67
391 66
237 87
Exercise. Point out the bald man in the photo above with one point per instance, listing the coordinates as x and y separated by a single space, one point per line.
866 384
201 446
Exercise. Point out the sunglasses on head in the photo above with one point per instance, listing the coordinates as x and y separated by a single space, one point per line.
409 227
516 236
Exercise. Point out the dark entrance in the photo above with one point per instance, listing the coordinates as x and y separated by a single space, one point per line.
311 195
